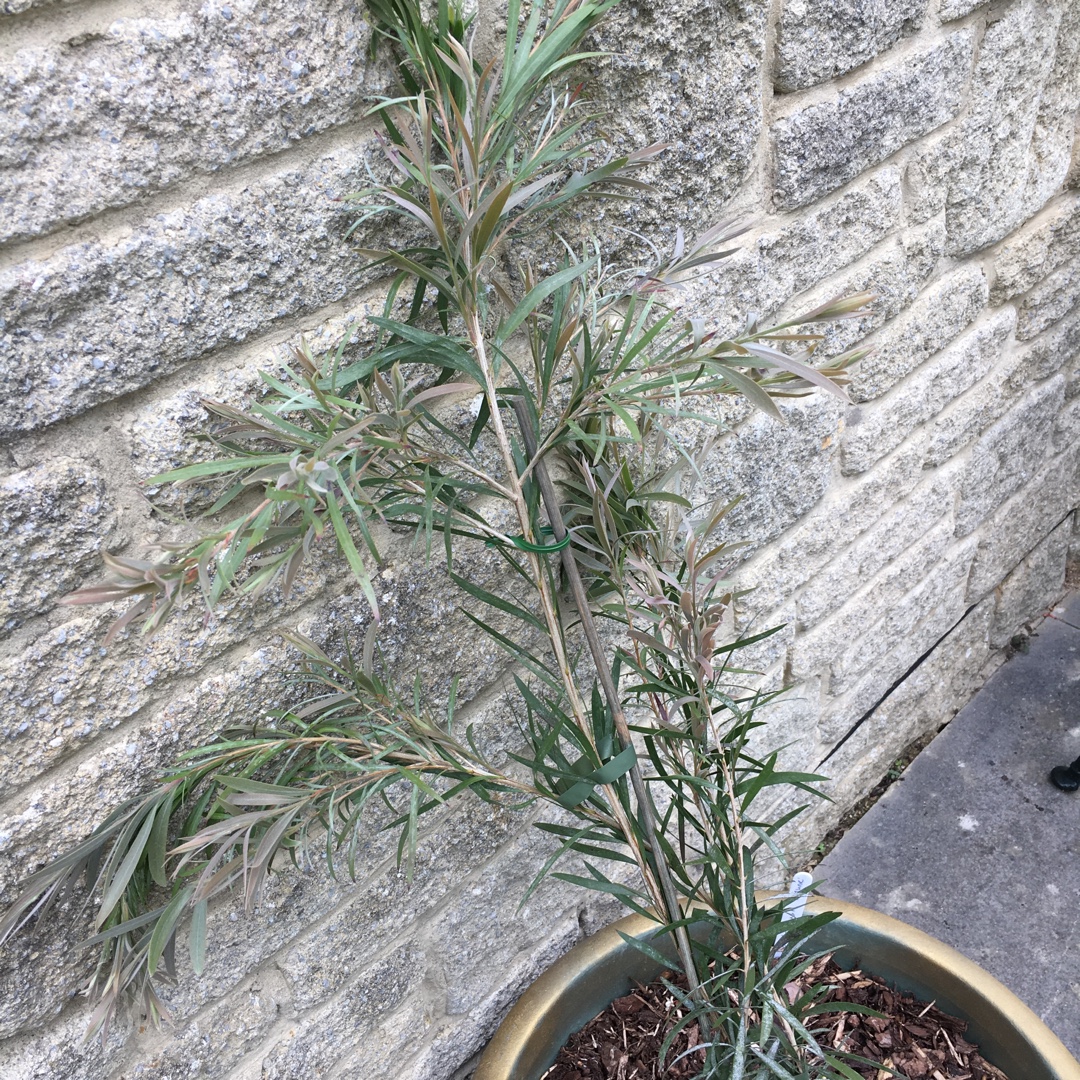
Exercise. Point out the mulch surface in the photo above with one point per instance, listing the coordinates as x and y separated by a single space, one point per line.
914 1039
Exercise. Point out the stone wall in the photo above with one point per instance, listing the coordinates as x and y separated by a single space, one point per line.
168 177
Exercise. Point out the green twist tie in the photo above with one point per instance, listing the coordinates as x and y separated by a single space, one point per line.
537 549
606 774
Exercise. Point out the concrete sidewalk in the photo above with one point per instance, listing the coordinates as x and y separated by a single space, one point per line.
975 845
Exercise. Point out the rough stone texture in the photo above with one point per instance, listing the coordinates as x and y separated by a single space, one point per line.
1033 586
901 529
781 470
64 691
822 146
54 522
101 121
693 69
1037 249
1050 301
14 7
820 39
1053 350
161 434
956 425
1008 455
97 320
873 429
1019 524
54 814
957 9
928 697
824 534
845 646
894 273
1012 151
773 266
939 315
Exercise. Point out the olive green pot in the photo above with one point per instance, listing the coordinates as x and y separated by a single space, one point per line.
604 967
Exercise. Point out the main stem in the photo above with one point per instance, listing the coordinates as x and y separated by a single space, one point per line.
547 602
670 897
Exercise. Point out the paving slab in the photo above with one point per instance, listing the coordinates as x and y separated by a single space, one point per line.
975 845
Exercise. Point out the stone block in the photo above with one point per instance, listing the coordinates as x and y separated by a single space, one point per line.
1010 154
456 854
970 415
321 930
485 932
97 320
53 816
1071 372
840 713
875 428
926 188
942 683
63 690
55 518
215 1043
957 9
1054 140
1037 249
820 39
773 266
780 470
100 121
769 653
789 723
850 507
675 64
1066 427
16 7
1072 565
1019 524
693 71
1008 456
886 610
59 1049
939 315
1050 301
823 145
352 1026
1057 348
162 432
914 623
903 526
895 273
1033 586
1072 180
984 404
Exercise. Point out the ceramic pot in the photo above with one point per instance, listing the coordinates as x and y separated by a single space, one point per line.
603 967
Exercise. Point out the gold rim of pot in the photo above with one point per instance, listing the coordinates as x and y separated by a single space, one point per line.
604 966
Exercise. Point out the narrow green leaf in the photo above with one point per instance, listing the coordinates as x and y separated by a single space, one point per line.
165 927
539 293
498 603
352 556
159 840
197 939
119 882
218 467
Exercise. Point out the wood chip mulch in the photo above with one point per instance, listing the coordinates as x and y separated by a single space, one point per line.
915 1039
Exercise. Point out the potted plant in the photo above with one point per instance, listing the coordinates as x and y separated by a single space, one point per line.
528 396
